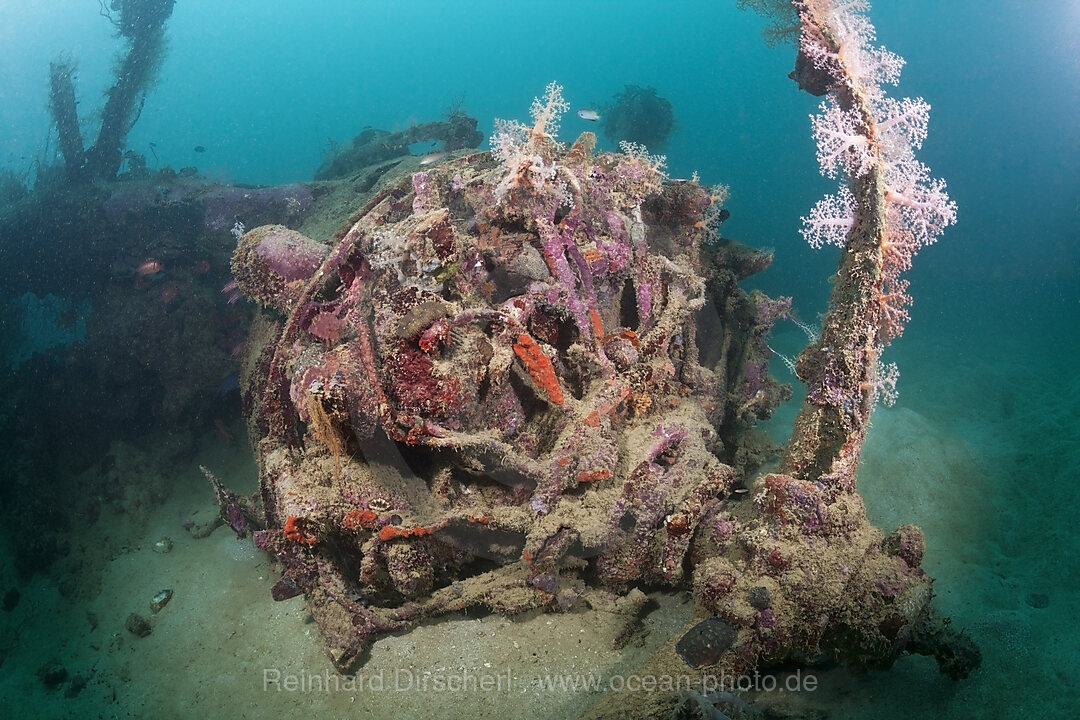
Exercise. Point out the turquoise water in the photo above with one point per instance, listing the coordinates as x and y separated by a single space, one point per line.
982 448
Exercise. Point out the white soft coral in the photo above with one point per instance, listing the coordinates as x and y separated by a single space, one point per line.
525 151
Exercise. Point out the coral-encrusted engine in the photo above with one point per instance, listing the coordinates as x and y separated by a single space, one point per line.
494 389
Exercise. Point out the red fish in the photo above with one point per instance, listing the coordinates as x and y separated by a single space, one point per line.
223 431
150 267
231 291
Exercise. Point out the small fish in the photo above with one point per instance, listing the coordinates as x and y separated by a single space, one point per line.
231 291
150 267
587 114
223 431
200 149
432 158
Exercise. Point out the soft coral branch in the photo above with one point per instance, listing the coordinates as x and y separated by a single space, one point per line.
917 203
837 37
892 316
902 123
840 146
830 220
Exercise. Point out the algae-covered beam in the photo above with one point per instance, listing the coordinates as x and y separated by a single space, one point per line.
142 23
370 147
887 208
62 105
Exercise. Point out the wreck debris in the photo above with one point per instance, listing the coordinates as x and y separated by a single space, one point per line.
160 600
373 147
492 387
241 514
142 25
138 625
163 545
495 390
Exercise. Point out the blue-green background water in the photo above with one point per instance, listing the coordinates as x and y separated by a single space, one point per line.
989 357
265 87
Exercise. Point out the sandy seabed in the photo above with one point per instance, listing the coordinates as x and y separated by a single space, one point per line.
983 457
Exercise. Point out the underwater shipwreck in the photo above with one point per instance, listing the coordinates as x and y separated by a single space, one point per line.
529 379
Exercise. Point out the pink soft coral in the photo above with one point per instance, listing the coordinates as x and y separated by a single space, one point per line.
918 203
830 220
840 146
860 130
